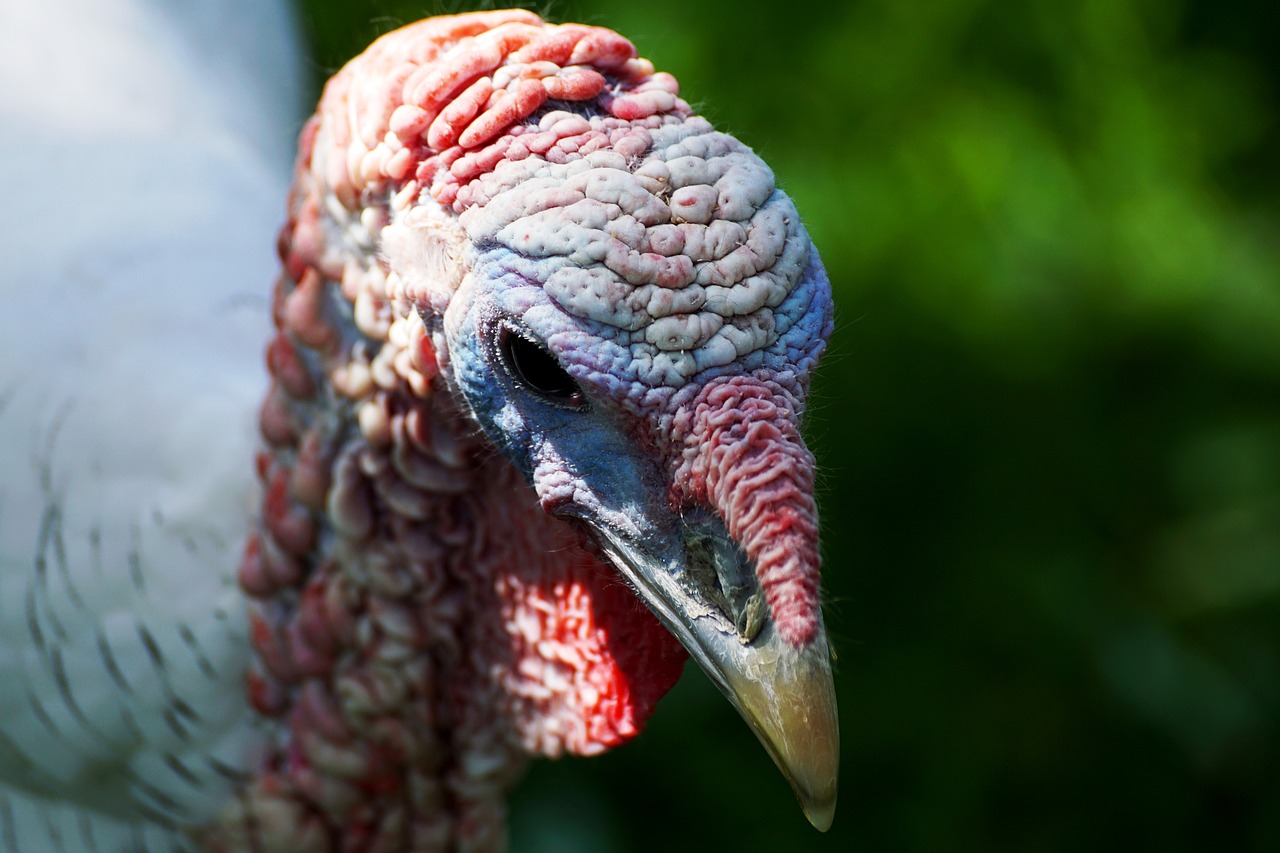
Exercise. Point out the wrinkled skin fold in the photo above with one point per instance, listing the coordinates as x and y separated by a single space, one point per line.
545 341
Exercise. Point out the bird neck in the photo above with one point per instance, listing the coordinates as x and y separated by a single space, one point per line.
419 625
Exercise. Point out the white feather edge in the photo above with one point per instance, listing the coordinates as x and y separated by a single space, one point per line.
144 159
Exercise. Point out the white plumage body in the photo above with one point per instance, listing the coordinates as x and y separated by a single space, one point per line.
144 156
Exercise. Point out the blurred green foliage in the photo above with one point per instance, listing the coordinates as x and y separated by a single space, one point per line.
1049 422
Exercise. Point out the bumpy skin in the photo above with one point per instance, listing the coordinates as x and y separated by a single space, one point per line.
422 619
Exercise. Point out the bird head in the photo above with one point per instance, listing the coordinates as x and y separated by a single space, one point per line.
628 308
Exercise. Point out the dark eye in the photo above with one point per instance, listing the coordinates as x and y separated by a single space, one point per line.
538 370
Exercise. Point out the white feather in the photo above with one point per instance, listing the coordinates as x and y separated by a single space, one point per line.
144 158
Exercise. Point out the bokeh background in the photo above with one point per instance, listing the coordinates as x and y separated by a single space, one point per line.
1049 423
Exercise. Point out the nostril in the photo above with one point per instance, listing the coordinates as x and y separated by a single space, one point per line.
722 573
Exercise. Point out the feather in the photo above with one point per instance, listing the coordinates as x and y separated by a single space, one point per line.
136 237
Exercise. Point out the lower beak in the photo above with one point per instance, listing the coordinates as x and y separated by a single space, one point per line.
785 693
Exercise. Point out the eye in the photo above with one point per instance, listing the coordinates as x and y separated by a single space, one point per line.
538 370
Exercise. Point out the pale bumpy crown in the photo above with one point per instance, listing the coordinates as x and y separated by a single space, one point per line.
663 248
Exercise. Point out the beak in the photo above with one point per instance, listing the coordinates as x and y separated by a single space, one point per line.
702 587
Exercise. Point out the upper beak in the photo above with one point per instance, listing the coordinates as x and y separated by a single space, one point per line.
700 586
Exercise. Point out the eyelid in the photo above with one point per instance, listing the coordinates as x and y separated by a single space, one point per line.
559 388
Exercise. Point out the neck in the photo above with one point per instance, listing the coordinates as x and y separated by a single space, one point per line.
419 625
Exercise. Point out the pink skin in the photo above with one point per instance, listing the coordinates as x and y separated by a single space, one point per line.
738 448
420 624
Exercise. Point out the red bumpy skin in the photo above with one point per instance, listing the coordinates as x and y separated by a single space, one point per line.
420 624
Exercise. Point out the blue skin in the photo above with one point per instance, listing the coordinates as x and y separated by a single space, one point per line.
581 460
584 462
599 356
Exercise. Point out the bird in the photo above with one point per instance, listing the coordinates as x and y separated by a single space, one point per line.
537 343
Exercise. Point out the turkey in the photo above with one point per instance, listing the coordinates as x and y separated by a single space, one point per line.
537 357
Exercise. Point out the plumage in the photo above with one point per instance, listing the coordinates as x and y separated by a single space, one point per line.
542 340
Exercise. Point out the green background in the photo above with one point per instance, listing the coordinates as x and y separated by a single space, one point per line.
1049 424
